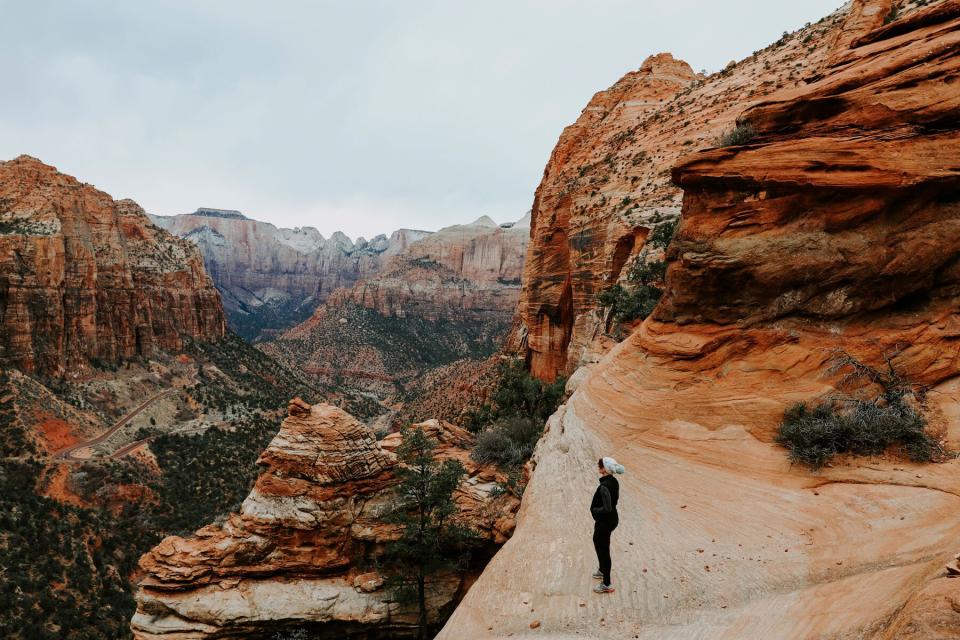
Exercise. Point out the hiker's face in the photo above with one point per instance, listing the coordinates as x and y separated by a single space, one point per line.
601 471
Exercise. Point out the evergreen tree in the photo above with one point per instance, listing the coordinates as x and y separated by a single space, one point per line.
431 540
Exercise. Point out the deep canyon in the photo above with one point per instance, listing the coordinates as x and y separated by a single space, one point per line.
202 413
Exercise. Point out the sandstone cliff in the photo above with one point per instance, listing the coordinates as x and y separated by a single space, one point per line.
84 277
272 278
607 183
291 557
835 226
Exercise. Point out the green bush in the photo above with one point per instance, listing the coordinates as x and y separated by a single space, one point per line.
663 233
814 435
509 442
509 428
741 134
639 295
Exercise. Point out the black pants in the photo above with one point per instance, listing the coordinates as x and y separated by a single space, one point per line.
601 542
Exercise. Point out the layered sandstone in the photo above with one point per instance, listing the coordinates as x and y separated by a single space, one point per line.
607 183
834 228
271 277
290 558
84 277
460 272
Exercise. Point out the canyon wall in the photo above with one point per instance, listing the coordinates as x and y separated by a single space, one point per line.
292 557
272 278
607 183
834 227
86 278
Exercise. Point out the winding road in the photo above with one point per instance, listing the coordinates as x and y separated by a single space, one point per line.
67 453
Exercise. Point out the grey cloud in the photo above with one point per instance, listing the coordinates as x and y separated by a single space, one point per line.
362 116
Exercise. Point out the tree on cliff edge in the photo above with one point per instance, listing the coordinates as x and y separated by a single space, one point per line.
431 540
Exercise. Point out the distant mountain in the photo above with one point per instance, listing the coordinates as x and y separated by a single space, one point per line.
447 296
272 278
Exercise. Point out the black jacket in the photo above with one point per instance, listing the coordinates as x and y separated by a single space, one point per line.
604 505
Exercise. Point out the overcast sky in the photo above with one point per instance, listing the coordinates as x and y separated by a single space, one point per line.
357 115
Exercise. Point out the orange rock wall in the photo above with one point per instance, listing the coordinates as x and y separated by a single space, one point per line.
607 182
84 277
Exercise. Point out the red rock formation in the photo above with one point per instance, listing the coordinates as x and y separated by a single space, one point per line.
289 556
85 277
835 227
841 208
608 179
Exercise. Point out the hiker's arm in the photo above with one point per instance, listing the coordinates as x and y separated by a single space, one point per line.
607 506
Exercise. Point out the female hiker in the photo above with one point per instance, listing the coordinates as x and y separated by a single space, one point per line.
605 519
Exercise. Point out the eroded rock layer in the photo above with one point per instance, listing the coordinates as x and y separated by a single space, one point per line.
84 277
290 558
607 183
833 228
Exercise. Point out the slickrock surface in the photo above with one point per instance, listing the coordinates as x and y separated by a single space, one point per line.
607 182
720 537
289 557
84 277
268 276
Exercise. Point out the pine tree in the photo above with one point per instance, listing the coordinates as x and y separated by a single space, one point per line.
431 540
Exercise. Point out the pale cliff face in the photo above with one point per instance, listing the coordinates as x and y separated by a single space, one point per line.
257 266
85 277
835 227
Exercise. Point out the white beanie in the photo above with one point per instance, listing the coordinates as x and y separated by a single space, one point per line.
612 466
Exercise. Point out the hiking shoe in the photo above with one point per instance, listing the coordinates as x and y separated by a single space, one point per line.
603 588
598 575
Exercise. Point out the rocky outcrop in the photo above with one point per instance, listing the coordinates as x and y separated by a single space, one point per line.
271 278
834 227
607 183
84 277
291 558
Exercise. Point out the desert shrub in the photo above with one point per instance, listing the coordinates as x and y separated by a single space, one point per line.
508 429
742 133
509 442
663 233
518 395
637 297
815 434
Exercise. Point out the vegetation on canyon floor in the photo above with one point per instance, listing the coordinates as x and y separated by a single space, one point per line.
814 433
257 323
509 427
